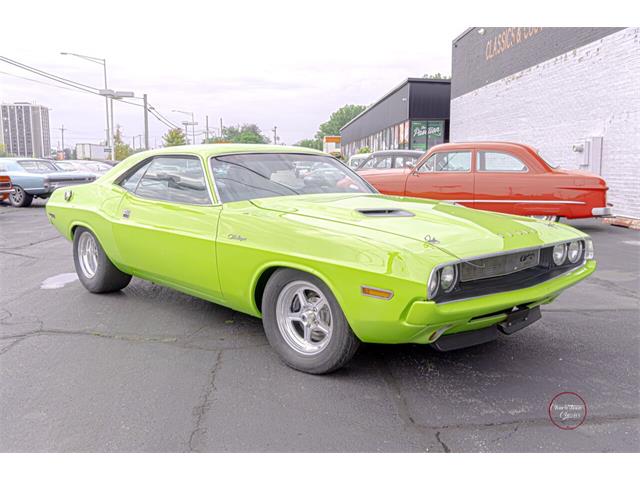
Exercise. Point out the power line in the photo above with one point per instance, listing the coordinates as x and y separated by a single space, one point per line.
78 86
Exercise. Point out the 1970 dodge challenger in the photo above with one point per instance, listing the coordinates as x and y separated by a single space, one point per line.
324 260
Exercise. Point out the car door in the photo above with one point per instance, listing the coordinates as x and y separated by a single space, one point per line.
167 224
502 182
443 176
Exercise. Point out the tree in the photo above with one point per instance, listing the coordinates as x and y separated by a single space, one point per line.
3 152
364 150
339 119
174 137
310 143
436 76
122 150
247 133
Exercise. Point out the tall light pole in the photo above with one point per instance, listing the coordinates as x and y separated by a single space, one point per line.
193 124
103 62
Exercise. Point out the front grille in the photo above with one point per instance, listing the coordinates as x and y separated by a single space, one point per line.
499 265
529 268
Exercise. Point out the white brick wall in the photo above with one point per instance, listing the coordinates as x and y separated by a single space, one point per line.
591 91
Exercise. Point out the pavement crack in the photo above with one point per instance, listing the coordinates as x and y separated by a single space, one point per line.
27 245
445 447
11 345
201 410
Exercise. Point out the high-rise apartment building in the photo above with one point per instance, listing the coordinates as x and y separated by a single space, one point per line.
24 129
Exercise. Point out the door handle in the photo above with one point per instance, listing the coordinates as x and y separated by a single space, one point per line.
126 214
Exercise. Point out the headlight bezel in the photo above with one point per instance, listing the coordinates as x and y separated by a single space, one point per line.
577 251
565 248
454 280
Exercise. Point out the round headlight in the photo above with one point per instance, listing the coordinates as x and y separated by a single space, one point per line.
434 283
575 251
560 254
448 277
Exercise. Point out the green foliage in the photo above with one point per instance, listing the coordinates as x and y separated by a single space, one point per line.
310 143
3 152
436 76
339 119
247 133
174 137
364 150
122 150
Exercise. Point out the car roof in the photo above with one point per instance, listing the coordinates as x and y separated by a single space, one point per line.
417 153
210 149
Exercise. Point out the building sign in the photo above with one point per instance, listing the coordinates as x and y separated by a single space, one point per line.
483 55
425 134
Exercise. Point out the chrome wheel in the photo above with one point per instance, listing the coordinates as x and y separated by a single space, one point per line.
304 317
88 254
17 196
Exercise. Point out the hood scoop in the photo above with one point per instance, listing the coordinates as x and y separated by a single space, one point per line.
384 212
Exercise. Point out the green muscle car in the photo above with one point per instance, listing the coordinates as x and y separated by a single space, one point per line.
294 237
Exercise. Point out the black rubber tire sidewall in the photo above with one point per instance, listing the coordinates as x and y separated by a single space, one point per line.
26 198
107 278
343 343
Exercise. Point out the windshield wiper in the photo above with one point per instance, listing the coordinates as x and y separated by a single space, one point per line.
259 174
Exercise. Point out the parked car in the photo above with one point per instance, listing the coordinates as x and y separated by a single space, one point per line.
91 166
500 177
5 187
388 159
357 159
325 266
37 178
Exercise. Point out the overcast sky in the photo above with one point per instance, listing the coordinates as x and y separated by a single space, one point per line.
282 63
270 63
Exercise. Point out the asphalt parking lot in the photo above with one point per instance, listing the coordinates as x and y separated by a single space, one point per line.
150 369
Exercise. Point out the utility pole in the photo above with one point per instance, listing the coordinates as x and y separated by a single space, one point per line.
62 130
221 134
146 122
275 136
206 121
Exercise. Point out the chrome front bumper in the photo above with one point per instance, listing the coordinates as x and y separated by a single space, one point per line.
602 212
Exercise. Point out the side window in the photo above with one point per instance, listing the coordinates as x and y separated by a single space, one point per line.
130 182
447 162
405 162
382 162
499 162
174 179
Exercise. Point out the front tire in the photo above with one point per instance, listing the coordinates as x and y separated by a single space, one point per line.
305 324
20 198
94 269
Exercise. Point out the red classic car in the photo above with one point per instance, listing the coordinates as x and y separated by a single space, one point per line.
5 187
498 176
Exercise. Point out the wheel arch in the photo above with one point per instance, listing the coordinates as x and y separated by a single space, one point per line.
264 274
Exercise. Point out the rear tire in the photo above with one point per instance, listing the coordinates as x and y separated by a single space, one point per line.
94 269
305 324
19 198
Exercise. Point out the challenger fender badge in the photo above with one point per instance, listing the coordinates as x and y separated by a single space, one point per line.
68 194
233 236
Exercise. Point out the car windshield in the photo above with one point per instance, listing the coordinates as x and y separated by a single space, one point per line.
37 166
260 175
67 167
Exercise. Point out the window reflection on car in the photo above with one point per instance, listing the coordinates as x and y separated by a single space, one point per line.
245 177
38 166
171 179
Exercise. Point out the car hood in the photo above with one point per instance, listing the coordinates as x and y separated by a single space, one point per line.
456 230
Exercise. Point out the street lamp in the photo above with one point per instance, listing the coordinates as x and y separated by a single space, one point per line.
103 62
193 124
